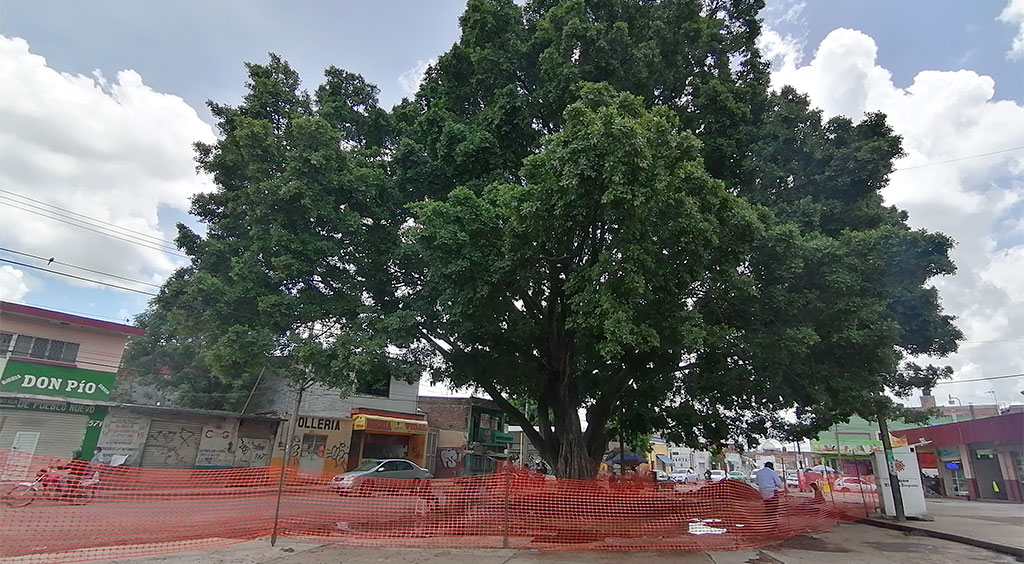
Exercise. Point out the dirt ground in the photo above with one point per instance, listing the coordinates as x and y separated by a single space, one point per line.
845 543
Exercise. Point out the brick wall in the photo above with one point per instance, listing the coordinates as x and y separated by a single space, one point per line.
448 414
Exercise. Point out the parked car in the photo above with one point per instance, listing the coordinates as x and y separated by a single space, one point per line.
737 475
853 484
687 476
360 479
718 475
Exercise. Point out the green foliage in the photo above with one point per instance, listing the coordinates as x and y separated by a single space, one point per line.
174 367
590 205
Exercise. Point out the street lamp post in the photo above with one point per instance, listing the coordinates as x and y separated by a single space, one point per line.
994 400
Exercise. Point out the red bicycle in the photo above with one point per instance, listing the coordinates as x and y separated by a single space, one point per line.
51 487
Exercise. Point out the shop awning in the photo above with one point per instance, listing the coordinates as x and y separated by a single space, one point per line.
393 425
665 460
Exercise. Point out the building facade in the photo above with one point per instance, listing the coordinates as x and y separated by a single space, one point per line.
56 374
979 459
334 433
468 436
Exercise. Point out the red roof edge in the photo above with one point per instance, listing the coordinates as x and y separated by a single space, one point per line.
50 315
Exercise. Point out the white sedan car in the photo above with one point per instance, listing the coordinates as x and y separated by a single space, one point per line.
362 478
853 484
687 476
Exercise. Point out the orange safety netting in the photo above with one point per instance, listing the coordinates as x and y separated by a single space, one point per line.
91 512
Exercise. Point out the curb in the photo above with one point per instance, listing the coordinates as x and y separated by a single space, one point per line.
995 547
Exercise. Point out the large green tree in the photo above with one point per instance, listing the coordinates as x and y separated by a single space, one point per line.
590 206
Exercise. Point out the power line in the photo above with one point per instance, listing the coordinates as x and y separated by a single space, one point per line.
82 278
980 379
51 260
958 159
90 218
91 222
93 229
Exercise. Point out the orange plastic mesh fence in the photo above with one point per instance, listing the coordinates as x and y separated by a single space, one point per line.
80 512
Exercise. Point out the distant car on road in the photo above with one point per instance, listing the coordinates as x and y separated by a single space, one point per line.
736 475
356 481
853 484
687 476
792 479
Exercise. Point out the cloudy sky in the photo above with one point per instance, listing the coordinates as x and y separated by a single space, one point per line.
100 102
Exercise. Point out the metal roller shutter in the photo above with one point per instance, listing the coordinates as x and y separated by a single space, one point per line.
171 444
60 434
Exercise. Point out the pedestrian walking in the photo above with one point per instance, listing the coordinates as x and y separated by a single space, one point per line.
768 483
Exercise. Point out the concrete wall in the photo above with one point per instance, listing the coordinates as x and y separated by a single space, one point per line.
223 442
98 350
276 396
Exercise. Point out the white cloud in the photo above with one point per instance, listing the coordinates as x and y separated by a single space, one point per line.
410 80
12 284
977 201
112 149
784 12
1013 14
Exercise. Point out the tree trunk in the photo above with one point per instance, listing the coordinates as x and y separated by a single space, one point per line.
574 460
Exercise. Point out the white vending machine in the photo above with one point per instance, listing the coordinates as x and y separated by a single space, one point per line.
907 470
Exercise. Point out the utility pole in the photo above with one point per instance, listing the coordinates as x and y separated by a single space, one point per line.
890 459
292 423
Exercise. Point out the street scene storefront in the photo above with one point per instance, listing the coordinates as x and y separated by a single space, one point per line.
51 410
334 445
321 444
378 434
848 448
980 459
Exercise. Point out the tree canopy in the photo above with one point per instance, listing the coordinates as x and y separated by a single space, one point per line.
589 205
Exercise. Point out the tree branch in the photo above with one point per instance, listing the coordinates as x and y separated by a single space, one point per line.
540 442
599 413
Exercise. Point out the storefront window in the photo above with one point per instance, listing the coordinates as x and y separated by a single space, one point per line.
957 481
311 457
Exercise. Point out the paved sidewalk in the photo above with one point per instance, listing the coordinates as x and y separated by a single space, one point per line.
845 543
985 522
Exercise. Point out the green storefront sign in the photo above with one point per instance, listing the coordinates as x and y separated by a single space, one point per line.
58 381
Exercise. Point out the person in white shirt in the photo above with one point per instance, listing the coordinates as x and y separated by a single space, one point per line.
768 483
97 457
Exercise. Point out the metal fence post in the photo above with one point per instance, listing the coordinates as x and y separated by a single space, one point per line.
508 492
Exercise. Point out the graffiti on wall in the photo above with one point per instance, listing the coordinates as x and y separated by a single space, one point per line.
174 447
294 450
251 453
449 462
216 446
